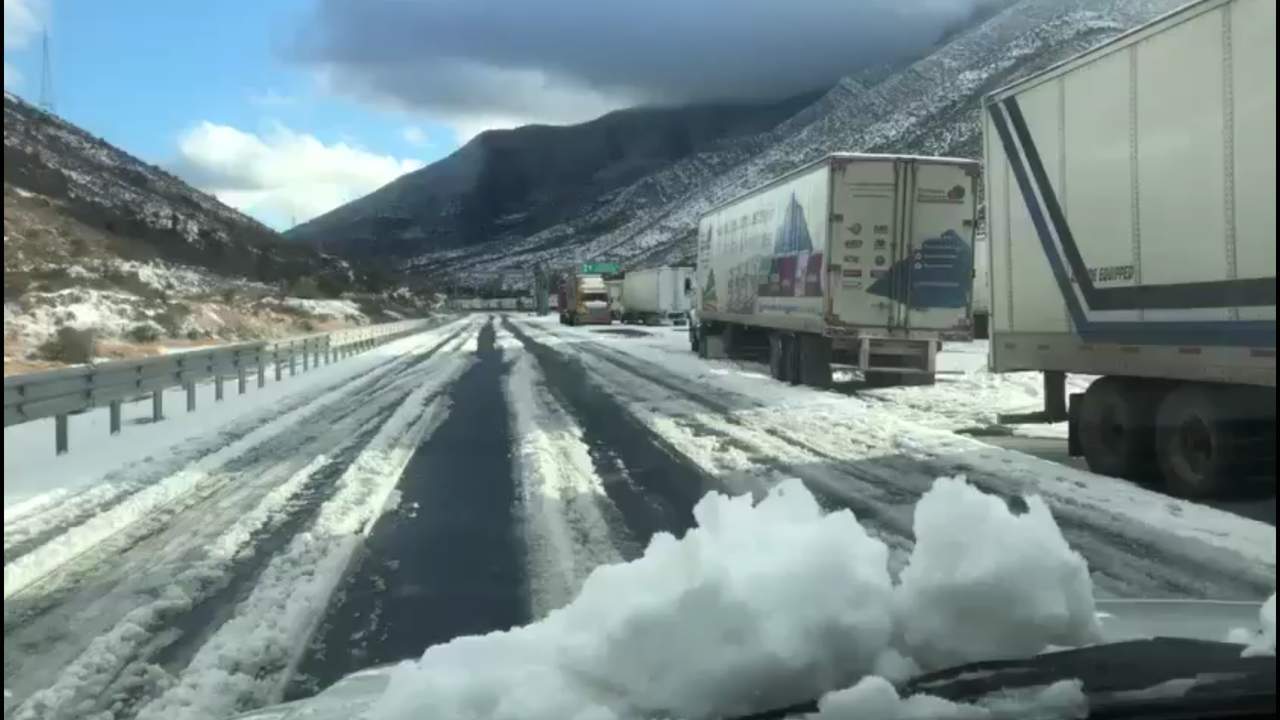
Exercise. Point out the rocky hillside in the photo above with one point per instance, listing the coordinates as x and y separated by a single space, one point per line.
929 106
106 256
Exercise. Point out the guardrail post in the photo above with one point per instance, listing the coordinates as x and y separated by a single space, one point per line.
217 386
262 374
191 396
114 408
279 369
240 380
157 405
306 357
60 434
293 361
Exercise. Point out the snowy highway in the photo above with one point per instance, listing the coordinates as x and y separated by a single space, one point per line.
469 478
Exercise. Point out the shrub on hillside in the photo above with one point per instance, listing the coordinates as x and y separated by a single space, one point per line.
70 345
172 319
144 333
228 295
305 287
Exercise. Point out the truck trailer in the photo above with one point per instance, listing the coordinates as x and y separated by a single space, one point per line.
864 260
1131 212
657 295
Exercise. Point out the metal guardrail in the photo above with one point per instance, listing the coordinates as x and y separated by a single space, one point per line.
68 391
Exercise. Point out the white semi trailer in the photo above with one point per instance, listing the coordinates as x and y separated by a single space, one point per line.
864 260
1131 210
657 295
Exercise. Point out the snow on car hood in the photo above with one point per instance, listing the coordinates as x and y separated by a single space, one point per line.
763 605
1121 620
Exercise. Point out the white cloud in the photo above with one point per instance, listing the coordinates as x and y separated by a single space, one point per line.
414 135
23 20
281 175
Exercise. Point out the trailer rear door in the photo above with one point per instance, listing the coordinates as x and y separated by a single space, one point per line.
865 208
938 267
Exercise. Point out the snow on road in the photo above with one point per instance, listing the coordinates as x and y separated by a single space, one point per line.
471 478
563 498
871 456
145 581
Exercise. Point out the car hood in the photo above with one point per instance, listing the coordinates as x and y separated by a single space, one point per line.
1121 620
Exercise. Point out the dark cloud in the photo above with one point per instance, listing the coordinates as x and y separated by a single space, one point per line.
566 59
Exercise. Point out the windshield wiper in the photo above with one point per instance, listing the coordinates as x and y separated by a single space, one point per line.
1120 680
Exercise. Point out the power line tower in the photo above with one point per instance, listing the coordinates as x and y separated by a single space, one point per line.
46 75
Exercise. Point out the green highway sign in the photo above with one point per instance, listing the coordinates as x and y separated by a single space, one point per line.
599 268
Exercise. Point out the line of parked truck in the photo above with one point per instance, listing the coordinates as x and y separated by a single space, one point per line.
600 293
1121 225
1129 234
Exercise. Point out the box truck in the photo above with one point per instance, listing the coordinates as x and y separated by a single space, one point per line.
865 260
1131 212
657 295
584 297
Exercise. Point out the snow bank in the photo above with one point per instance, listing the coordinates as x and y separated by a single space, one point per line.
764 606
983 582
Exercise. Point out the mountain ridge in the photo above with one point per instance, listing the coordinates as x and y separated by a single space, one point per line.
929 106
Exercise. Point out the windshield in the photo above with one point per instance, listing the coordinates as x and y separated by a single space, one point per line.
639 361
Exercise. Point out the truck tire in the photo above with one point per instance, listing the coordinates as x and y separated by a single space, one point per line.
1116 426
780 352
1205 440
815 360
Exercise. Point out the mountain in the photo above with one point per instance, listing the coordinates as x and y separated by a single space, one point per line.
929 106
149 213
509 184
108 256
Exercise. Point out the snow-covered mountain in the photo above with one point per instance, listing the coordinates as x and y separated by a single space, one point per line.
929 106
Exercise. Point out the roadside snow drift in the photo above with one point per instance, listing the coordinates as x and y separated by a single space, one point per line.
764 606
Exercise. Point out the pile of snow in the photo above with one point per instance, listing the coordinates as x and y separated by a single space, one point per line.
989 583
764 606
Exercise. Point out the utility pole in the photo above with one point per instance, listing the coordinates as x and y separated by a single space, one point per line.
46 75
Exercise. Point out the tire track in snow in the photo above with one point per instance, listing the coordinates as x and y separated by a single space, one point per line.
160 611
147 512
869 468
561 498
36 522
450 561
653 486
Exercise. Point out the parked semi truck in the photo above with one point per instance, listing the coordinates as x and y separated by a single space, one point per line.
1131 212
658 295
584 297
864 260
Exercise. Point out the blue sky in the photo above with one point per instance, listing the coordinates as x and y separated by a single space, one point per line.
147 74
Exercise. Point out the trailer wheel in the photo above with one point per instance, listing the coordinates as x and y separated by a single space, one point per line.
780 352
1117 428
815 360
1208 439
